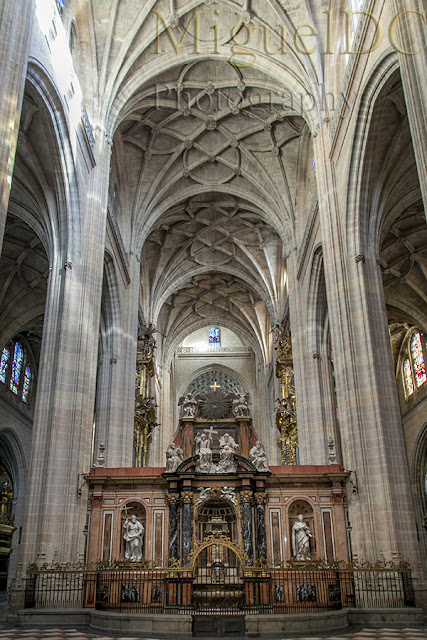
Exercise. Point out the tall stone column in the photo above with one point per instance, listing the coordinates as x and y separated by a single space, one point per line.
260 523
16 23
187 532
122 363
371 430
63 421
408 35
246 498
173 527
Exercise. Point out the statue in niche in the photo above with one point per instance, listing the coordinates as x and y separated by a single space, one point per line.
203 449
241 405
301 539
188 404
258 458
174 457
228 448
133 536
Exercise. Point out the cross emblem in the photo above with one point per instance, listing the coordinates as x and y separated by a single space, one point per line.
215 386
211 430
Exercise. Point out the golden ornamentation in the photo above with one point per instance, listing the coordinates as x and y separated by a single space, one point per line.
260 498
218 538
187 497
173 498
246 496
145 406
286 417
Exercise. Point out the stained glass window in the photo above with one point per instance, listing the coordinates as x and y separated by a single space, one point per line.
18 357
214 337
3 364
27 379
418 360
408 379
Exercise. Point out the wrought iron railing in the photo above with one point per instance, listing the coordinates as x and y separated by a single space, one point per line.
220 590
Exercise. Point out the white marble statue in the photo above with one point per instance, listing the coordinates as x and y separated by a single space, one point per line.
228 448
258 458
203 448
229 493
241 405
174 457
133 535
189 405
203 495
301 539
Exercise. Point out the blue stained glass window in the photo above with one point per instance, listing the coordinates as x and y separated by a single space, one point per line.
214 337
3 364
27 379
18 357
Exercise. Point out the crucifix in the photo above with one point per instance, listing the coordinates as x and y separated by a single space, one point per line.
126 509
215 386
210 431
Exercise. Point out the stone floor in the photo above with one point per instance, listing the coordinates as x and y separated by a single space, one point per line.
11 633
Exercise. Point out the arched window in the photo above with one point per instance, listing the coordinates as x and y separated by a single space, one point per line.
27 379
16 372
18 357
3 364
214 337
413 364
418 360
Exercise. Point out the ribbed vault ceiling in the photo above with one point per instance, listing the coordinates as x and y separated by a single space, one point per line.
207 181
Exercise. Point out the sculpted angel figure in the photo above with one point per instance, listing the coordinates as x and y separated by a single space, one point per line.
203 495
241 405
133 536
188 404
258 458
301 539
174 457
229 493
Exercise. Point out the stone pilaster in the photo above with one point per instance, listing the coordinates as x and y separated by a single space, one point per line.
312 436
122 393
369 414
63 421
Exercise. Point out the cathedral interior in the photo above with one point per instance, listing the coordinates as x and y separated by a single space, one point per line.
213 284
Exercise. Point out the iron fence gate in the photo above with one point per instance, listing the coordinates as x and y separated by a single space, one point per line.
218 582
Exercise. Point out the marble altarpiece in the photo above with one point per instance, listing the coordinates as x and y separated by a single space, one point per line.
216 481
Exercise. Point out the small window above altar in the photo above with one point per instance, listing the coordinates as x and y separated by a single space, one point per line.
214 337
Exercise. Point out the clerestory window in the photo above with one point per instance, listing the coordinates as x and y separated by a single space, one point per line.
414 368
